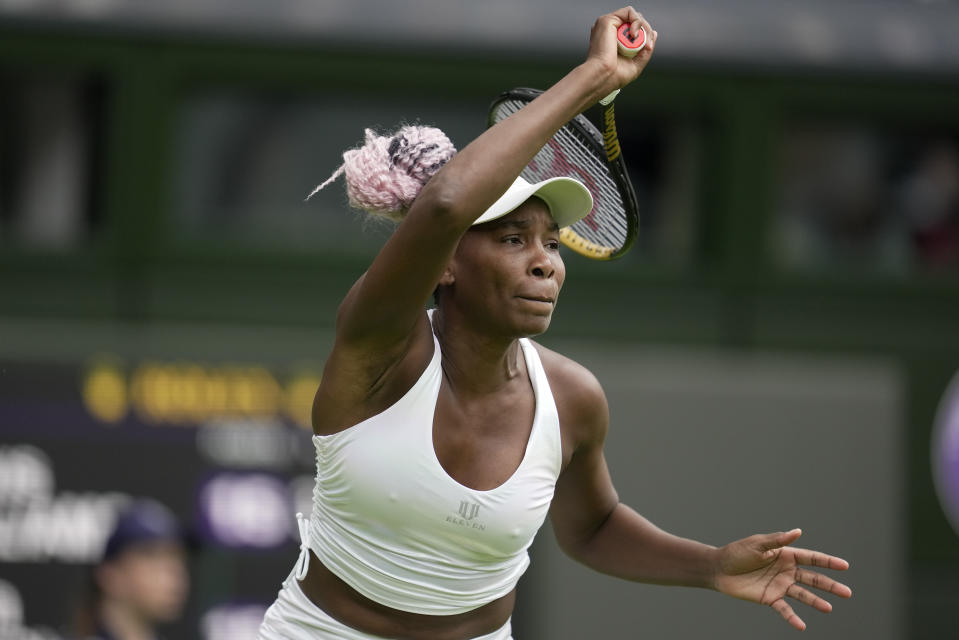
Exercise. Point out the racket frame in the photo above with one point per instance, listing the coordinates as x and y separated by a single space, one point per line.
603 145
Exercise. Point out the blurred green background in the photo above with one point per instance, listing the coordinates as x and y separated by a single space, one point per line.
777 343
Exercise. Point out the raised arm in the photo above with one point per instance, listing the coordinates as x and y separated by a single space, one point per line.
382 310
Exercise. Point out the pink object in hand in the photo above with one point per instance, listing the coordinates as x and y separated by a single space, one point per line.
628 47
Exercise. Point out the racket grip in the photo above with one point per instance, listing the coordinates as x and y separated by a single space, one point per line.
605 101
628 48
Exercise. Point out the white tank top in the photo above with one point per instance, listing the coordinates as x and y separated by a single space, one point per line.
391 523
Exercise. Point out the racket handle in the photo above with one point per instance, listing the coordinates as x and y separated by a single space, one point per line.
605 101
628 48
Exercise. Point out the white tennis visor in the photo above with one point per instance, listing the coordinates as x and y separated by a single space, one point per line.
567 198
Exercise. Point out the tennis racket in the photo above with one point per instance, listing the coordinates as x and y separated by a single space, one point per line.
579 150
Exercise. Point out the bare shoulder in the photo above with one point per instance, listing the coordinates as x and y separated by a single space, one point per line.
580 399
360 381
570 378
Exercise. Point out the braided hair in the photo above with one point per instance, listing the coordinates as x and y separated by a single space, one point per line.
384 176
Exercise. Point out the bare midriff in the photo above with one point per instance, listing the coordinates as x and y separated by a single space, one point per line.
343 603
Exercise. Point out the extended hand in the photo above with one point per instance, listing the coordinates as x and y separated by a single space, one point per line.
763 569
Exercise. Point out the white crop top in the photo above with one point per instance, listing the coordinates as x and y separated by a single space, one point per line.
391 523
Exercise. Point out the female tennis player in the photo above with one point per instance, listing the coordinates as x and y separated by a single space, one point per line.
444 438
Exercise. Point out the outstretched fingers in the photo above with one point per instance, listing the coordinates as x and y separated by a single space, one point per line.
818 559
787 613
823 583
808 598
771 542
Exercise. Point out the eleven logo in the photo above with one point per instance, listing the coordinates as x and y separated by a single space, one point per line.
468 510
466 515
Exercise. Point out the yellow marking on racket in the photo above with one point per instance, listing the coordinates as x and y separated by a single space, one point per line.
582 246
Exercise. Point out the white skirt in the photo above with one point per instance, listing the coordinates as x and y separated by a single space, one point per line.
294 617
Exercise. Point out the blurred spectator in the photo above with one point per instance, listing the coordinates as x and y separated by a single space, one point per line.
929 200
47 162
142 580
855 197
832 209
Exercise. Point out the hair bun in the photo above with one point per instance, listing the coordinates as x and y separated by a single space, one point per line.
385 175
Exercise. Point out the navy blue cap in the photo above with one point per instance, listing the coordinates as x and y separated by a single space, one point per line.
142 520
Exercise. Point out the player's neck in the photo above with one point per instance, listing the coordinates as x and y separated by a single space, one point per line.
476 362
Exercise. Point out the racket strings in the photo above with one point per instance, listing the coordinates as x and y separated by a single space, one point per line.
606 221
573 154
